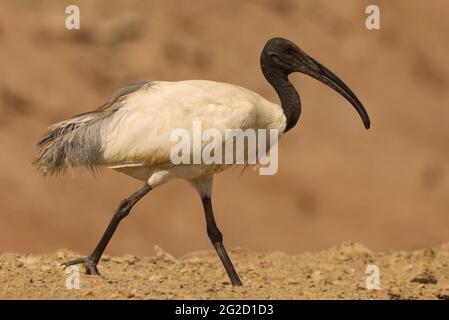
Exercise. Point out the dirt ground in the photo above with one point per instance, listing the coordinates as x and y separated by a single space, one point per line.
336 273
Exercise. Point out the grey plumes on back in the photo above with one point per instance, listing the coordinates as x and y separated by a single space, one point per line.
77 142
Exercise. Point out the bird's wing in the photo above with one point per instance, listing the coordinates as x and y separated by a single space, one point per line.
139 131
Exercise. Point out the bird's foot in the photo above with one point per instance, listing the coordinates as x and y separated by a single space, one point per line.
89 264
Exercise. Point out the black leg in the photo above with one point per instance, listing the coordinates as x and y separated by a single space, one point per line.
90 262
217 240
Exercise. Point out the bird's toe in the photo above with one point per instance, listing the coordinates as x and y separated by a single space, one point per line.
89 265
73 262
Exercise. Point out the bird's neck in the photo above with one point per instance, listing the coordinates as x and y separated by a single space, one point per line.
290 102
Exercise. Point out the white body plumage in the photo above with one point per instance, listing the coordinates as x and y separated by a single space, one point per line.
134 128
138 141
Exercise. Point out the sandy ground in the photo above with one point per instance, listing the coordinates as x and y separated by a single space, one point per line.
336 273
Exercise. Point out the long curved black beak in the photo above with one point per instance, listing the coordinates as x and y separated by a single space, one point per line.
313 68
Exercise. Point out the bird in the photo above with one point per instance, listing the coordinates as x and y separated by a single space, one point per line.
130 133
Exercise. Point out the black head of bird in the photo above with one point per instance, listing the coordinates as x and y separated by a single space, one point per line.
281 57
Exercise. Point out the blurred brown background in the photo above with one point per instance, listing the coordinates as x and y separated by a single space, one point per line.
387 187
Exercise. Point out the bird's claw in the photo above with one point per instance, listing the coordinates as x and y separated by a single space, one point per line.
88 263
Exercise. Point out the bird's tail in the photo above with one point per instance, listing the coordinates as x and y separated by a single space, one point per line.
76 142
